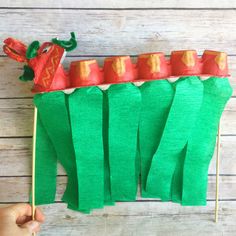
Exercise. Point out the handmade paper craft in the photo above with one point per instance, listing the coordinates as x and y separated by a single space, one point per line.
46 162
202 141
85 108
157 98
154 123
124 102
107 181
52 108
182 116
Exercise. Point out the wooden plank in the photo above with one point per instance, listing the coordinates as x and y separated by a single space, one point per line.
151 219
125 32
142 218
119 4
16 189
15 156
16 117
115 32
12 87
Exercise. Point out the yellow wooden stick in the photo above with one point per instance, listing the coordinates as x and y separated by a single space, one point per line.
33 163
217 174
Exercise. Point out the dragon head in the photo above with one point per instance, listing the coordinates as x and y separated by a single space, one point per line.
43 62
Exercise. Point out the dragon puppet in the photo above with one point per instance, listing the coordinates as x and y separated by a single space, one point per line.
45 69
160 132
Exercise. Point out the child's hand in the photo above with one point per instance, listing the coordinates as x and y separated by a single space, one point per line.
17 220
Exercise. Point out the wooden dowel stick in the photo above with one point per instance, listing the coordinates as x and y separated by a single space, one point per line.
33 163
217 174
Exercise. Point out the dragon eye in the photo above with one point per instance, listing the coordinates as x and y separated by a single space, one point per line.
46 49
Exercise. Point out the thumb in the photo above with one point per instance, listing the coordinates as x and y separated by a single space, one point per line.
31 227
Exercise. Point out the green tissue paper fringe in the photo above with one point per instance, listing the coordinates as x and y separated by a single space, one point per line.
85 106
107 182
124 102
182 116
106 140
52 108
157 98
45 167
201 144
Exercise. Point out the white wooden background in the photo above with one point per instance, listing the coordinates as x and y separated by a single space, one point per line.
109 27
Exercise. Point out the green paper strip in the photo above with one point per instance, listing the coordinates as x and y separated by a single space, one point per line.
200 149
107 182
124 110
184 110
45 167
52 109
177 180
85 106
157 98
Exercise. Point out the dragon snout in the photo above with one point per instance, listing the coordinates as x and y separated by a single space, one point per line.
15 49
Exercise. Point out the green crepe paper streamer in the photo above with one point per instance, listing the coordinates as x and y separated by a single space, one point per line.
45 167
52 108
124 110
200 149
182 115
85 106
107 182
157 98
177 180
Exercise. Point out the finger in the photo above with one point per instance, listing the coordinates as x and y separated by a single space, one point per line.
24 232
19 210
27 232
39 216
31 226
23 219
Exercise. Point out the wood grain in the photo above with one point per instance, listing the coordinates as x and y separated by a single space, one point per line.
18 188
124 32
16 117
149 218
15 156
106 28
140 218
133 4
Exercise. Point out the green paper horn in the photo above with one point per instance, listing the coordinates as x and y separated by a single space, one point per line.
68 45
32 50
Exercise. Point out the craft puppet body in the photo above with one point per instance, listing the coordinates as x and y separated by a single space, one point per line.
124 121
